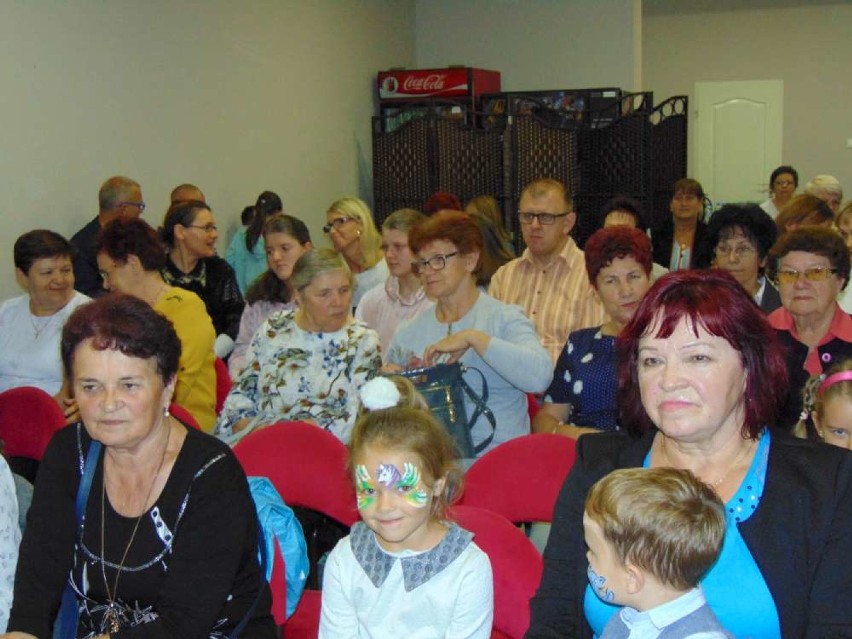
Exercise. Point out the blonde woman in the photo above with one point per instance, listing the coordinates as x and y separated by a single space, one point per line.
352 232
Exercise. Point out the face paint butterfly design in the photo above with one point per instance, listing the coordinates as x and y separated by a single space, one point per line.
597 581
406 483
408 486
365 494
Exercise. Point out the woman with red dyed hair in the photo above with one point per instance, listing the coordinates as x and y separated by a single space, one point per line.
701 376
467 325
582 397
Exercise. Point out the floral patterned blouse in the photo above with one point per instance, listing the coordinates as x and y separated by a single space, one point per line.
293 374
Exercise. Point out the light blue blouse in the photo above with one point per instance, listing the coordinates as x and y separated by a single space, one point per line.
247 265
734 587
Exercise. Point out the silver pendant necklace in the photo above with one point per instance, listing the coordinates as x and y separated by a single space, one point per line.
113 615
40 327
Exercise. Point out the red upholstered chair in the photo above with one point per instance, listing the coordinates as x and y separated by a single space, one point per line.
307 465
515 564
183 415
223 383
532 406
28 419
500 480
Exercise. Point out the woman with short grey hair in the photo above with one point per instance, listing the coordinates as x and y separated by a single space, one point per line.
306 364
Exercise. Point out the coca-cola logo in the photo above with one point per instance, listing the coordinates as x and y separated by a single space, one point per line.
432 82
390 84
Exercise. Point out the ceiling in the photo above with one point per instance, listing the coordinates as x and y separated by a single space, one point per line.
670 7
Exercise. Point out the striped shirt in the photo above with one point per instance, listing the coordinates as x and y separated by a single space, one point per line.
558 298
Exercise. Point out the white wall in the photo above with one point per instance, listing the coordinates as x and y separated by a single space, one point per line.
535 44
237 97
809 48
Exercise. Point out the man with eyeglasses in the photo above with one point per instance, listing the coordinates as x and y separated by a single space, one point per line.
549 279
119 197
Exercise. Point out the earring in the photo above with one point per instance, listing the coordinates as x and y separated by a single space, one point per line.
358 233
166 413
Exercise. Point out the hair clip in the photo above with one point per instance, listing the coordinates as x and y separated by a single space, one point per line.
831 380
379 393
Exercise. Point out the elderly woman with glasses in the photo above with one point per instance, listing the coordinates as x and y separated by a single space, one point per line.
739 237
351 230
189 233
468 326
811 266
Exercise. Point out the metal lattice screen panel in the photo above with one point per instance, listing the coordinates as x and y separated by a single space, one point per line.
469 161
540 151
615 160
668 153
402 167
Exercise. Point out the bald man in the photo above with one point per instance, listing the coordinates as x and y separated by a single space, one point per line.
186 192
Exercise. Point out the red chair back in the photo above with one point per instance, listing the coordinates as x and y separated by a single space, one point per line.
223 383
183 415
279 576
532 406
542 460
28 419
515 564
307 465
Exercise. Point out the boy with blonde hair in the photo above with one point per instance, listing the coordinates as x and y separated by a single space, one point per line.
652 535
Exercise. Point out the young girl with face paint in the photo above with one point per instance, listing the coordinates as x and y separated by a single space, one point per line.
652 534
404 569
827 400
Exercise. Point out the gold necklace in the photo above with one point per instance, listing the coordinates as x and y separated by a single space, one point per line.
721 479
113 615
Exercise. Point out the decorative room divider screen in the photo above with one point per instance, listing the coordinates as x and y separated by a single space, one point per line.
636 150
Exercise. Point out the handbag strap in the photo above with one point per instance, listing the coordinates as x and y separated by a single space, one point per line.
264 563
86 481
69 613
480 403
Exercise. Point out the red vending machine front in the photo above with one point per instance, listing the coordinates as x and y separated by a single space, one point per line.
453 92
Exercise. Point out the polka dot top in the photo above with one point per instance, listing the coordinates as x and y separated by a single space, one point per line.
586 379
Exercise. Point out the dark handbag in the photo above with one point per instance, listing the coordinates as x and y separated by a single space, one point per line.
444 389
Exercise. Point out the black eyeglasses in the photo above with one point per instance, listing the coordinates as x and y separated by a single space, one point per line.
740 250
545 219
207 228
138 205
336 223
436 263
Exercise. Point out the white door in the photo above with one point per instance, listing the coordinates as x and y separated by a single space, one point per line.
737 133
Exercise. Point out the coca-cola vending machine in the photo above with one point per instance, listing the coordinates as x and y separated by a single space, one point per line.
453 92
